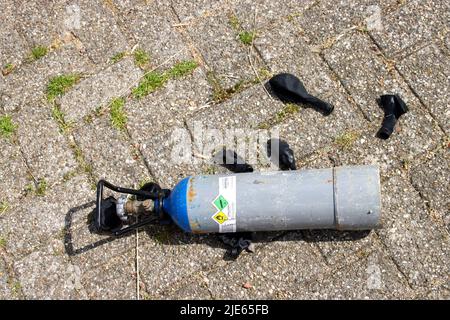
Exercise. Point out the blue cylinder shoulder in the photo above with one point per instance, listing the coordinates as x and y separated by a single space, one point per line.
175 205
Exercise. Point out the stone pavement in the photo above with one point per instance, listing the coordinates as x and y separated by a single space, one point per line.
93 89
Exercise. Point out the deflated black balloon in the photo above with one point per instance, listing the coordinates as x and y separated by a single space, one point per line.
232 161
289 88
283 156
394 107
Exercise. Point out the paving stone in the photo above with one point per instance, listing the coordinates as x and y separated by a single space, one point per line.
266 11
222 50
430 80
152 29
97 29
413 25
169 256
39 21
308 128
13 47
364 73
44 147
326 20
431 180
195 289
418 245
153 120
441 293
47 274
274 271
40 218
188 10
113 156
98 90
6 287
115 279
374 276
13 172
35 76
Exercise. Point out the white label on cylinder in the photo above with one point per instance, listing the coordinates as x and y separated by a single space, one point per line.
225 204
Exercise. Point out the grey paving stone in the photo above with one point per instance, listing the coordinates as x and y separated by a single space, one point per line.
6 285
98 90
13 47
40 218
274 271
430 80
113 156
39 21
188 10
307 128
374 276
151 28
97 29
169 256
13 172
266 11
44 147
326 20
153 119
35 76
222 50
364 73
413 25
115 279
431 180
47 274
419 246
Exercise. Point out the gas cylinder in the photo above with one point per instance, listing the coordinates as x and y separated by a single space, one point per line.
342 198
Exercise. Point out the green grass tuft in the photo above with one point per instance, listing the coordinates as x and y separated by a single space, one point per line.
247 37
41 188
118 56
149 83
182 69
234 22
117 114
59 117
141 58
59 85
3 207
346 140
38 52
8 68
7 127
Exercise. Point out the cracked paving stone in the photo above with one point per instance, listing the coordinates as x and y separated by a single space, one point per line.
430 80
115 279
324 21
418 245
35 76
13 172
274 271
40 218
99 89
113 156
266 11
44 147
47 273
431 180
96 27
152 29
169 255
373 276
307 128
413 25
222 50
188 10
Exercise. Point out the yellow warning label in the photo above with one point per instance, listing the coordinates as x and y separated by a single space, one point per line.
220 217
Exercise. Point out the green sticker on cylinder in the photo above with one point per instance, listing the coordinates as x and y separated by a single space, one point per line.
220 203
